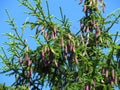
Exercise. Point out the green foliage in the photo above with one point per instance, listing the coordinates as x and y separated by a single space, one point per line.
4 87
62 59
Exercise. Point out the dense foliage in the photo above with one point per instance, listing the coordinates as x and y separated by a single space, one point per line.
87 60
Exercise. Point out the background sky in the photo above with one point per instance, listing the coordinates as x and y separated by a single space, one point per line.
70 8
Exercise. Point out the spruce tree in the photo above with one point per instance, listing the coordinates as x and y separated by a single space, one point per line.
62 59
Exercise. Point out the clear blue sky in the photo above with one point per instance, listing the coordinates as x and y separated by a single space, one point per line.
70 7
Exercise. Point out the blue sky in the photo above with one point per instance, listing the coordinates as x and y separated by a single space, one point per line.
70 7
